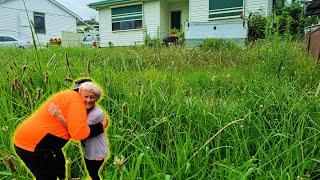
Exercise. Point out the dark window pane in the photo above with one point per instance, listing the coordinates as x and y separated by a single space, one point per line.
126 10
39 23
124 25
138 24
116 26
221 4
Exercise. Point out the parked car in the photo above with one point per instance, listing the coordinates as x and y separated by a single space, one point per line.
92 40
9 41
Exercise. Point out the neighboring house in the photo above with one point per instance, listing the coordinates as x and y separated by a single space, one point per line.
48 17
125 22
87 26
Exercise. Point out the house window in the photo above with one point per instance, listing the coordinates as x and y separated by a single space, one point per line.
222 9
124 18
39 22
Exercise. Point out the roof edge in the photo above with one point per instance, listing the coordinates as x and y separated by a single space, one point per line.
67 10
60 6
106 3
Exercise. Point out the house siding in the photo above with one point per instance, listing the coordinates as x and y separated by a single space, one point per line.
14 21
184 8
164 19
151 23
152 18
199 10
117 38
262 7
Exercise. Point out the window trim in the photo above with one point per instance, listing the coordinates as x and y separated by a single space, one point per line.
43 15
122 17
226 11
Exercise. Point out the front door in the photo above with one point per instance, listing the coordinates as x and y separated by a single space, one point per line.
176 19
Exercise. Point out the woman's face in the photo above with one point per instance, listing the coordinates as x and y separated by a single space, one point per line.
89 98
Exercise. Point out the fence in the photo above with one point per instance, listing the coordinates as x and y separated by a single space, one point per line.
71 39
313 41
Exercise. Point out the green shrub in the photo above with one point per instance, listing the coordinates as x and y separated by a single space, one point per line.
218 44
150 41
257 28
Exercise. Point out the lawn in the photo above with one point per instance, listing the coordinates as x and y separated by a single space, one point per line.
227 114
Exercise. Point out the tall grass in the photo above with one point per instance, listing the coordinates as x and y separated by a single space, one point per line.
238 114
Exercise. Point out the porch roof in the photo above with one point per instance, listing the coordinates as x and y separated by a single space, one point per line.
106 3
312 8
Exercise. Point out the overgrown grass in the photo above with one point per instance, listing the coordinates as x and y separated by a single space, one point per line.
231 114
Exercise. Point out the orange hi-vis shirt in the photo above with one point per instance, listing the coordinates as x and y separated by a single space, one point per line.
41 123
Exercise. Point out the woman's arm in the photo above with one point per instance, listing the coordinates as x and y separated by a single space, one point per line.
56 112
105 121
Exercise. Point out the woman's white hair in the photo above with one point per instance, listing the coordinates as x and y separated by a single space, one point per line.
90 86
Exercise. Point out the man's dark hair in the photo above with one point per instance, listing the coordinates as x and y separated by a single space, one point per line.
78 82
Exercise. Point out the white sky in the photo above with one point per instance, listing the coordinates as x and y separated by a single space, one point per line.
80 8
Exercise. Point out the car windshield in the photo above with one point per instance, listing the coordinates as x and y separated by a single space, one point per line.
6 38
88 38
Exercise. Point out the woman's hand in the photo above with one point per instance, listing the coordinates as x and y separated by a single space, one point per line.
105 122
55 111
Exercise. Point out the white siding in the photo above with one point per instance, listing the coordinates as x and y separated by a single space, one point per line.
14 20
184 8
257 6
269 6
150 21
151 16
199 10
164 19
117 38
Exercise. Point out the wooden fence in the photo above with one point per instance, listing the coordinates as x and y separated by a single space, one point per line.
313 41
71 39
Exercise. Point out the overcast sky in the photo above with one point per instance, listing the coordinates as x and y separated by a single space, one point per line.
80 8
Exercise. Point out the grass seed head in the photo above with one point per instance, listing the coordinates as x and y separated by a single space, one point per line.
69 79
5 128
11 164
119 161
15 85
38 92
24 68
30 80
89 66
46 77
26 94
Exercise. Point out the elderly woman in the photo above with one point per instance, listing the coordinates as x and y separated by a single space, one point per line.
95 149
38 140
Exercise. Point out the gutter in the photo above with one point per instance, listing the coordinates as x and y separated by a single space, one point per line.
104 4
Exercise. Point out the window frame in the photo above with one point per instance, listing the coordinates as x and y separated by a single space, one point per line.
37 29
127 19
235 11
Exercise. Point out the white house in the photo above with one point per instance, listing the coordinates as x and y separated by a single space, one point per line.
48 17
125 22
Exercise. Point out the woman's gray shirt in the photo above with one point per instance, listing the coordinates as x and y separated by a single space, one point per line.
95 148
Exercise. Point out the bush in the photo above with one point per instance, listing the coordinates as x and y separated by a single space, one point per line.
151 42
257 28
218 44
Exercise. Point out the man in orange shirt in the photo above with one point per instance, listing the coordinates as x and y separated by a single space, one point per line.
38 140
